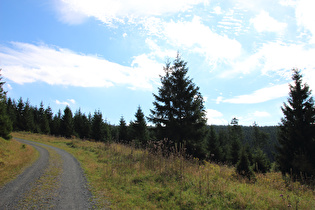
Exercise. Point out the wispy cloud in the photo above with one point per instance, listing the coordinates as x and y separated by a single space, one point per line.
199 38
109 11
261 95
27 63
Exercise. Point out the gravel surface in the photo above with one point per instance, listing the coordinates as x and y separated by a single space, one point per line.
73 192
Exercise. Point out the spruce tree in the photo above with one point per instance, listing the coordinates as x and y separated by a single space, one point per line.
11 111
243 167
20 115
139 128
55 128
123 131
28 117
296 150
261 162
5 123
43 120
97 129
260 137
235 136
78 123
179 112
214 151
66 125
107 132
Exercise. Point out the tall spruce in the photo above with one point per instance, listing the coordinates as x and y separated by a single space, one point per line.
179 112
296 150
5 123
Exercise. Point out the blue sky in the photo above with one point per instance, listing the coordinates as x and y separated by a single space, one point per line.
108 54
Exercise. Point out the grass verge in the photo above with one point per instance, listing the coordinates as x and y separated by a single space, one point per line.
141 179
14 158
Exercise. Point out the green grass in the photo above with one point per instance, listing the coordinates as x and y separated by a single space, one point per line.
14 158
130 178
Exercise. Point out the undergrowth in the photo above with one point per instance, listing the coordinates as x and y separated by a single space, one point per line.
131 178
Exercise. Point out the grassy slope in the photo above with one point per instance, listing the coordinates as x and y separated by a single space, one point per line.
14 157
130 178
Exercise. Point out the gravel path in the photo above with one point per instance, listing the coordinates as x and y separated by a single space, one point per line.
71 190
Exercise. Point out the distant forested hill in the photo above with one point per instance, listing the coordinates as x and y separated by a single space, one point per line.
271 131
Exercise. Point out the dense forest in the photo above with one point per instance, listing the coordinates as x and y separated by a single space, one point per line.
178 118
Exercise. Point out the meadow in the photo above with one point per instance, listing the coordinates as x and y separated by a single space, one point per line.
123 177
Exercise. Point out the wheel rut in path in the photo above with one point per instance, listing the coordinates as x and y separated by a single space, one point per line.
71 190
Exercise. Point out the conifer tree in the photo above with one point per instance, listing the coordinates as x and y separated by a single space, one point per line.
97 129
179 112
214 150
78 123
243 167
260 137
43 120
49 115
107 131
261 162
296 153
20 115
28 117
123 131
235 135
55 128
11 111
86 128
139 128
5 123
66 125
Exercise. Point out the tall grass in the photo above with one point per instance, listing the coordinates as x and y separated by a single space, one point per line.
160 178
14 157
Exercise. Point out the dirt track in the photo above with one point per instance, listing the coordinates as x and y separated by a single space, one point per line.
55 181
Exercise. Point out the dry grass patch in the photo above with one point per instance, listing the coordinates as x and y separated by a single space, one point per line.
14 158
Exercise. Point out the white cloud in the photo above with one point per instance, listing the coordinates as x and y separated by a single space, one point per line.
275 58
217 10
219 100
305 16
263 22
72 101
261 95
125 35
261 114
157 51
109 11
8 86
27 63
199 38
215 117
62 103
